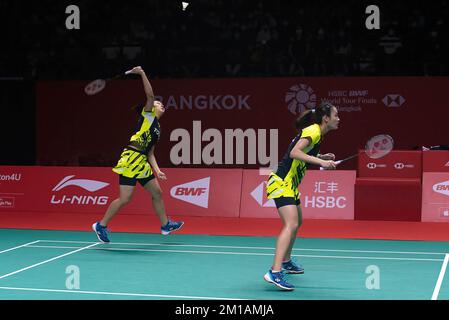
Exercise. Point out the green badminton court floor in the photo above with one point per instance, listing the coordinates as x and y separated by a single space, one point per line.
62 265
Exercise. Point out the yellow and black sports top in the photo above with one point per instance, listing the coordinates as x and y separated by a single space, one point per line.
147 132
293 170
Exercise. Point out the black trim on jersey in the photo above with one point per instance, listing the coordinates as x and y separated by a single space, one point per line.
154 137
286 162
139 124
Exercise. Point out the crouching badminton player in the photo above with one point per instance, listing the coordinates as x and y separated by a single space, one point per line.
282 185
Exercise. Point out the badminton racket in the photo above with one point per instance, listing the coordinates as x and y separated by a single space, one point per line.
98 85
376 147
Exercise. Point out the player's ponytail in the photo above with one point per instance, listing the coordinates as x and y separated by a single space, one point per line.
312 116
305 119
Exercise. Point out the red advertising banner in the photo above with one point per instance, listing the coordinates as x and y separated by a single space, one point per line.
435 197
57 189
193 192
436 161
324 195
236 123
203 192
396 164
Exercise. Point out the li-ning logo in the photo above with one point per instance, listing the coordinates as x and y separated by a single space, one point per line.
195 192
442 187
88 185
259 195
299 97
393 100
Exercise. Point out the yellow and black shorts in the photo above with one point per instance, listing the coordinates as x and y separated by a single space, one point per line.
133 166
282 191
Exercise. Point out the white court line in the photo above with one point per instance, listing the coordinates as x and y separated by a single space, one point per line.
240 253
436 291
255 248
119 293
23 245
49 260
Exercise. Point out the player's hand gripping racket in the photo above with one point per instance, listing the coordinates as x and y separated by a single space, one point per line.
376 147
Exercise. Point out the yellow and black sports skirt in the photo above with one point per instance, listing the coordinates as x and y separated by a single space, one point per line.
282 191
133 166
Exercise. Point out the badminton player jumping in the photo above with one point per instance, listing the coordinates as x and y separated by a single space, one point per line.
137 163
283 184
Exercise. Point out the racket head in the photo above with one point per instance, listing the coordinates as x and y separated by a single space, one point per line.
94 87
379 146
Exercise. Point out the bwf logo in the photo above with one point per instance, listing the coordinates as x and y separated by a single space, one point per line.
299 98
442 187
194 192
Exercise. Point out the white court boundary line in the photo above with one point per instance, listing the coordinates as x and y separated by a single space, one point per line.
118 293
49 260
21 246
255 248
240 253
436 291
30 244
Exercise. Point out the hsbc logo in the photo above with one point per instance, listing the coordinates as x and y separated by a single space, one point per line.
79 199
442 187
260 196
447 164
393 100
194 192
371 165
399 166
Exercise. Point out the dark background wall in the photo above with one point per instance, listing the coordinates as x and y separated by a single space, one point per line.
217 38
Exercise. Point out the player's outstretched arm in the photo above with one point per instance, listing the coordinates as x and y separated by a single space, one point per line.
146 86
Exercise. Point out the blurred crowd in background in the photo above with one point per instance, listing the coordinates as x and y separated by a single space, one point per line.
210 39
225 38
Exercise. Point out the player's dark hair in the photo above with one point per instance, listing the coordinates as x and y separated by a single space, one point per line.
312 116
